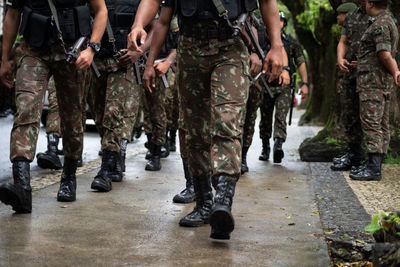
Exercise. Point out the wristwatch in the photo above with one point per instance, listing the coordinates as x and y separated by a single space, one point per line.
286 68
305 83
94 46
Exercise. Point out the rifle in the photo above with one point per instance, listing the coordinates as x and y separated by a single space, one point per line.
73 54
259 51
293 90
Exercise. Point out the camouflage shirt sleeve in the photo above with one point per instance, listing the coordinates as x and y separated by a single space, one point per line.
17 4
297 52
383 39
344 30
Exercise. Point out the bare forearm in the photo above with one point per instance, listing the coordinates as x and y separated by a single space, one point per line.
388 61
303 72
171 56
285 57
11 24
270 14
341 48
146 13
100 20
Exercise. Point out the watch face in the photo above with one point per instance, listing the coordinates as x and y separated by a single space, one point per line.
95 46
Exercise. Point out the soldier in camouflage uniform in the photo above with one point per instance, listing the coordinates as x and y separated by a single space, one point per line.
281 101
354 26
213 81
377 72
44 56
115 94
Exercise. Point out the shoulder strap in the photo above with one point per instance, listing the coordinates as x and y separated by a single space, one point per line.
55 16
222 11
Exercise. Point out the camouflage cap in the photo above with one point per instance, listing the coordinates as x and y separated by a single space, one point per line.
346 7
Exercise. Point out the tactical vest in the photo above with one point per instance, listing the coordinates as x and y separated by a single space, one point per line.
287 40
38 26
205 9
121 14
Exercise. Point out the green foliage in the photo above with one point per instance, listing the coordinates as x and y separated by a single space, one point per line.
382 221
309 18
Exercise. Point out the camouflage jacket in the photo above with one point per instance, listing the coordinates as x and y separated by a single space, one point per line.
381 35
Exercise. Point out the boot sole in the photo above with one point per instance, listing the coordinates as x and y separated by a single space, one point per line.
152 169
177 199
278 156
222 223
8 197
45 162
262 158
369 178
347 168
185 223
100 188
66 199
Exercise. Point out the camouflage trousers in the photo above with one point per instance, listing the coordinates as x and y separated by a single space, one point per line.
350 101
132 110
155 117
34 71
171 101
213 82
53 116
253 103
374 115
113 97
281 102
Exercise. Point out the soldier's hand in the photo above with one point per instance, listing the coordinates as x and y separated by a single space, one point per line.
304 91
85 59
129 58
273 63
6 73
135 34
354 64
149 78
255 64
284 78
162 67
396 77
343 63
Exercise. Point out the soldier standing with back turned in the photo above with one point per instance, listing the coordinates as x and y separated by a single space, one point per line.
44 55
377 72
213 81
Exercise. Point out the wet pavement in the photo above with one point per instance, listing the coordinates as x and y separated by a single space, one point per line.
136 224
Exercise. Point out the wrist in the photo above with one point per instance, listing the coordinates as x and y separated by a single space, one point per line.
305 83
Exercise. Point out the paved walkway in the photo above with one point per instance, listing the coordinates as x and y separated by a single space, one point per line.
136 224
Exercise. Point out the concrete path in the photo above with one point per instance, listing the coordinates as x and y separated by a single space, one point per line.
136 224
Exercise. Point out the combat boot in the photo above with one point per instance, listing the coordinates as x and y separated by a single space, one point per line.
116 173
138 131
50 159
147 145
187 195
353 158
172 140
204 201
371 171
337 160
19 194
265 151
124 145
102 181
165 149
79 162
278 151
244 167
154 163
221 219
67 191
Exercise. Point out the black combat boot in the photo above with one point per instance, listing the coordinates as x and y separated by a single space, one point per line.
50 159
116 173
278 151
172 140
138 131
67 191
204 201
353 158
147 145
19 194
337 160
102 181
244 167
221 219
124 145
165 148
154 163
79 162
371 171
265 151
187 195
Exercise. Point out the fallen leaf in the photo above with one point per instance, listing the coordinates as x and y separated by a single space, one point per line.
286 197
293 178
255 202
308 224
165 213
268 188
329 232
288 217
144 211
64 207
282 208
291 224
315 212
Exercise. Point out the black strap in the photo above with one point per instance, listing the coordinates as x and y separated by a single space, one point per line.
55 16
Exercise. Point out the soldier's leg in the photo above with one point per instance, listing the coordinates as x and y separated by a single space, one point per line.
386 124
372 109
253 103
50 159
70 88
282 106
173 111
31 80
156 101
265 127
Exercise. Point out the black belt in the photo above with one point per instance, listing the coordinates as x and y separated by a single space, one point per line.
206 33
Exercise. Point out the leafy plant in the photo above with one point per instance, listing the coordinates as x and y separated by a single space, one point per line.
383 221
